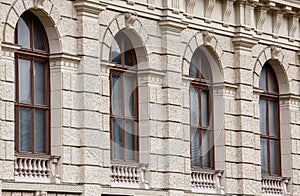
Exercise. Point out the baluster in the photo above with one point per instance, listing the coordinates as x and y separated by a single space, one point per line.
21 167
44 168
39 168
34 167
25 168
16 168
30 167
136 175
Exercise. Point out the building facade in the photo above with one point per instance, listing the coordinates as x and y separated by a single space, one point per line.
149 97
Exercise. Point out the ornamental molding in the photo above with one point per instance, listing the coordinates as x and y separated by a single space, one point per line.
8 50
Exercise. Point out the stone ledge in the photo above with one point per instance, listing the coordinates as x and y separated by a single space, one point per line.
64 188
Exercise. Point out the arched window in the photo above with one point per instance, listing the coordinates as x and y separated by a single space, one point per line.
269 122
124 107
32 101
201 108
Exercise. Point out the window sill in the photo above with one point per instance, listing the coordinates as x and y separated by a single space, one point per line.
39 168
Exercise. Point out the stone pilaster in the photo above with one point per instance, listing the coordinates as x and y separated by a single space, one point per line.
244 164
87 99
7 119
175 148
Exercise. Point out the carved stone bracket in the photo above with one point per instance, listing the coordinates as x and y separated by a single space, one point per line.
190 4
175 4
41 193
209 6
244 43
227 10
293 24
261 14
130 18
277 21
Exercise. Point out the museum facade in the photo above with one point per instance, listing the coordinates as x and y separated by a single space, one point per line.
149 97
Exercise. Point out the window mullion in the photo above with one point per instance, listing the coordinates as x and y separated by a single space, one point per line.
32 103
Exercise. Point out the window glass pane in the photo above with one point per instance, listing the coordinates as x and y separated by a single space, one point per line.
194 106
262 79
205 149
38 38
117 95
195 148
264 156
129 140
272 81
115 52
273 126
263 116
39 83
24 33
39 131
25 130
129 96
24 81
274 159
205 67
117 139
129 57
205 108
194 71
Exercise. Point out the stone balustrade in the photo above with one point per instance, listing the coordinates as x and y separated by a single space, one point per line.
129 176
36 169
274 186
207 181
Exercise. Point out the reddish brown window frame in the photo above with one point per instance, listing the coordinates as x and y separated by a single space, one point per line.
274 97
123 71
202 84
32 55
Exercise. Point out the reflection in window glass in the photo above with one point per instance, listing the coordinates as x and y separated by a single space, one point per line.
24 33
195 135
24 81
25 130
39 131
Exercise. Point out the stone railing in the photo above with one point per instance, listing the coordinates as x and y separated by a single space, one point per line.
207 181
36 169
129 176
274 186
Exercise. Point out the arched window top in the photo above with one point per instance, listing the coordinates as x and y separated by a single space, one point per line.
200 67
30 33
268 80
122 51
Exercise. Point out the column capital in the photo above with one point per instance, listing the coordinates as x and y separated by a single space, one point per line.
89 8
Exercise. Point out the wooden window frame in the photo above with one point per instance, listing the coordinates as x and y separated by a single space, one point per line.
203 85
124 71
274 97
32 55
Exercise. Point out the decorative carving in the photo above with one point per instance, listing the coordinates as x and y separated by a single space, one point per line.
190 4
41 193
207 38
261 15
227 10
293 24
175 4
277 21
275 51
249 12
130 19
209 6
38 3
88 8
